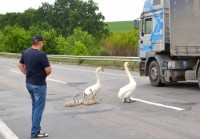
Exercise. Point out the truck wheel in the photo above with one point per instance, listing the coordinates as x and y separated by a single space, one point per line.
199 76
154 74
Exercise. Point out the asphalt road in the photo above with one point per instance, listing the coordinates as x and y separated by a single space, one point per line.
110 119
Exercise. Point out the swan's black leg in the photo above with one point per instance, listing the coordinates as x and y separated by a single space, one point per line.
131 100
128 100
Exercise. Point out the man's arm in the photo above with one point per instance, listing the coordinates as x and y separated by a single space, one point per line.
45 62
22 68
48 70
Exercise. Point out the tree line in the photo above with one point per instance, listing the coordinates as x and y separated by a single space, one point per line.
64 16
73 27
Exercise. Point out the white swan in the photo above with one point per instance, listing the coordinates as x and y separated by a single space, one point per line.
126 91
94 88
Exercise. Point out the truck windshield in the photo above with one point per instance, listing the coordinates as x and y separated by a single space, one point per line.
148 26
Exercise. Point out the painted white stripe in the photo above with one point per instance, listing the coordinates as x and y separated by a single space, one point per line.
6 132
53 80
158 104
124 75
106 73
15 71
140 100
72 69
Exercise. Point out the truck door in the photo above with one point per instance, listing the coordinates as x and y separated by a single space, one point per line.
145 37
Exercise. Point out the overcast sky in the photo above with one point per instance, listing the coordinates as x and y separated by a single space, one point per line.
113 10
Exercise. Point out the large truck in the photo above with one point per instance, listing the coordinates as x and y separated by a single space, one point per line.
169 45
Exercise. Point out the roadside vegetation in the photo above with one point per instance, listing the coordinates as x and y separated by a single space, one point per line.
110 64
70 27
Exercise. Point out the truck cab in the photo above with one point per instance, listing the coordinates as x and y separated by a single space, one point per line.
154 27
169 44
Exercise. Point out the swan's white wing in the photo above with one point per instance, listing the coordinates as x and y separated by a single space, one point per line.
128 94
94 88
88 90
124 90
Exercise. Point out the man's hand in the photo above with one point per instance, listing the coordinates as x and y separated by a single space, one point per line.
48 71
22 68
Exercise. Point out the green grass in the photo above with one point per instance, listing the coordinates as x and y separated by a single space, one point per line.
110 64
120 26
9 56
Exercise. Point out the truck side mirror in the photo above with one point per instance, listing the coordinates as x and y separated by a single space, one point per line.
136 24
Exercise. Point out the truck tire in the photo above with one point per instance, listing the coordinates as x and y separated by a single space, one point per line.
154 74
199 76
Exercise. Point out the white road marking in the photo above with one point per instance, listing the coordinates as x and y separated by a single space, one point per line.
158 104
15 71
53 80
107 73
140 100
6 132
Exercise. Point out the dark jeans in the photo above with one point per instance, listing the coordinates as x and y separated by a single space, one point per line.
38 96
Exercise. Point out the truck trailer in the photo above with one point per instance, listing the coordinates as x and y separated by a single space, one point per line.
169 45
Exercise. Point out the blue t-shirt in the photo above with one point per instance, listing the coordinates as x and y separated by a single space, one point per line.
35 62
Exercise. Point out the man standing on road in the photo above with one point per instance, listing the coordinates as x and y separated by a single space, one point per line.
35 65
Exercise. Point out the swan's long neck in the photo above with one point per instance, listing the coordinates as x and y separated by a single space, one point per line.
98 77
129 74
